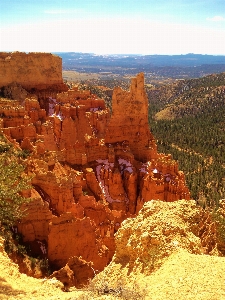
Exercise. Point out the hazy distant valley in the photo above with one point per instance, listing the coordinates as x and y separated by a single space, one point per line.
157 68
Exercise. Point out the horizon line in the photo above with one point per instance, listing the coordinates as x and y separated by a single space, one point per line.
129 54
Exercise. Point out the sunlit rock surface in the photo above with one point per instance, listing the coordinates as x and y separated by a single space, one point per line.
90 170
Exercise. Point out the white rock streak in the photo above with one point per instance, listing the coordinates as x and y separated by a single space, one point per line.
60 116
51 110
42 247
125 165
94 109
167 177
52 103
145 167
104 164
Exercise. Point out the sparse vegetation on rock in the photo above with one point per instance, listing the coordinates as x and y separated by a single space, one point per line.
13 181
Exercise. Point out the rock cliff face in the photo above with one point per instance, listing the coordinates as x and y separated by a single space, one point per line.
32 70
90 172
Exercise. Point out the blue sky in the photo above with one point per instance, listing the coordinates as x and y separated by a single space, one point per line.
113 26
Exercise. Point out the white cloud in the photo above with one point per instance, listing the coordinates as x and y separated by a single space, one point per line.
112 35
216 19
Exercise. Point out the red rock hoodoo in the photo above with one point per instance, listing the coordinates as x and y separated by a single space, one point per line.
91 170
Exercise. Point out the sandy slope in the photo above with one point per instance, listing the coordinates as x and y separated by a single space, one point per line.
188 276
184 276
161 253
176 269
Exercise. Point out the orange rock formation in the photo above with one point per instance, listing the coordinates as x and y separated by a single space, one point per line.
32 70
91 171
129 121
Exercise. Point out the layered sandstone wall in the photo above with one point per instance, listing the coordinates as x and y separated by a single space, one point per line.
31 70
120 148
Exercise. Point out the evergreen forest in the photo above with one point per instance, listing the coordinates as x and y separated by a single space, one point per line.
187 119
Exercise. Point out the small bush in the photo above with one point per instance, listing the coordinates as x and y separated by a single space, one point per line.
120 289
23 153
14 243
12 182
220 225
21 249
4 147
44 266
32 262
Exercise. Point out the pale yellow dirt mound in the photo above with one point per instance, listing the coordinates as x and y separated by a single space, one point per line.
160 252
187 276
159 229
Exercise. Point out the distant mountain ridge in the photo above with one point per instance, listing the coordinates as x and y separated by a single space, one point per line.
191 97
169 66
187 60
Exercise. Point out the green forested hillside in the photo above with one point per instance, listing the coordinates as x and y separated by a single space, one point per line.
188 120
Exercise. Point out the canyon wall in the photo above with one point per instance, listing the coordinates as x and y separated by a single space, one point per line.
91 170
31 70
